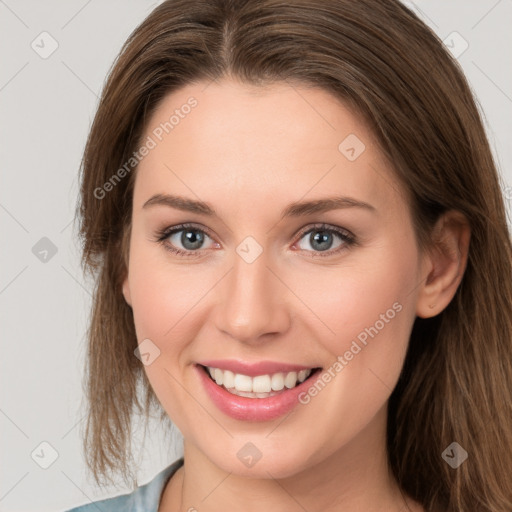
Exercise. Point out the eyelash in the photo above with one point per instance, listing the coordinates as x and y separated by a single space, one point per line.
347 238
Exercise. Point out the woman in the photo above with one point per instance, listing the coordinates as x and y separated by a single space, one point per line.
302 256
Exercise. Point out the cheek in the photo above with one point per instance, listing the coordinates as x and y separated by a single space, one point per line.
161 294
366 309
369 310
165 305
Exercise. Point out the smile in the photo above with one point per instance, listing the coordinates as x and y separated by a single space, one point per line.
256 392
260 386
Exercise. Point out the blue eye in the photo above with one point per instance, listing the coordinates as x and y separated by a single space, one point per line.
322 238
192 239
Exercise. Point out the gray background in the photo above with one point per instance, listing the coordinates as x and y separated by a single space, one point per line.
46 108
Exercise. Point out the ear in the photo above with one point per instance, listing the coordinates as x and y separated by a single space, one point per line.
126 291
444 263
125 251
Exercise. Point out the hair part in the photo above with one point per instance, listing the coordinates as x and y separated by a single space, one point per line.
381 60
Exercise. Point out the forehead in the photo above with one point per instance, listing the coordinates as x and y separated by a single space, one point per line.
266 144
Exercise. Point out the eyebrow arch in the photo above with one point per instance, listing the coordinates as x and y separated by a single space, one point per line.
296 209
180 203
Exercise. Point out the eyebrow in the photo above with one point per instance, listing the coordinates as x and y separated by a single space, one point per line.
296 209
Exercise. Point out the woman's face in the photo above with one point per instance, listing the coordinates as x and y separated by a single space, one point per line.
298 253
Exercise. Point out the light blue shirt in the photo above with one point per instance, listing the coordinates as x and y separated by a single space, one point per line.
145 498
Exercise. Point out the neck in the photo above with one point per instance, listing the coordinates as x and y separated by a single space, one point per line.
354 478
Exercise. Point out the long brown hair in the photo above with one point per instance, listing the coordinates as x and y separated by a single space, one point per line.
381 59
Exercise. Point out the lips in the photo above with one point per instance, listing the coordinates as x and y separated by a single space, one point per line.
255 406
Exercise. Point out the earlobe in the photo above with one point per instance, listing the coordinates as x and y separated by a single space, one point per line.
126 291
445 264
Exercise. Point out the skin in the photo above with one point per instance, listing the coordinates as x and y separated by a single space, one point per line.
249 152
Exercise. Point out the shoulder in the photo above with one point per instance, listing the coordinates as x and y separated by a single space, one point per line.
143 499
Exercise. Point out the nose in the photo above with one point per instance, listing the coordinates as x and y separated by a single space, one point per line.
253 306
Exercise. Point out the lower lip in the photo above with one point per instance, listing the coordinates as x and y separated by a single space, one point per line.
253 409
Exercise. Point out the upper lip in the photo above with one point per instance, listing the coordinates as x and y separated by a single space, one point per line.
254 369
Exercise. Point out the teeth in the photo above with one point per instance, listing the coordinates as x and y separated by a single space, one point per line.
229 379
290 380
302 375
277 381
218 376
242 382
260 386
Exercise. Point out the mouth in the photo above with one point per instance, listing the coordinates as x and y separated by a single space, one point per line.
258 386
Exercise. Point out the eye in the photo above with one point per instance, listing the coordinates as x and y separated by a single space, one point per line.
189 240
184 239
325 239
